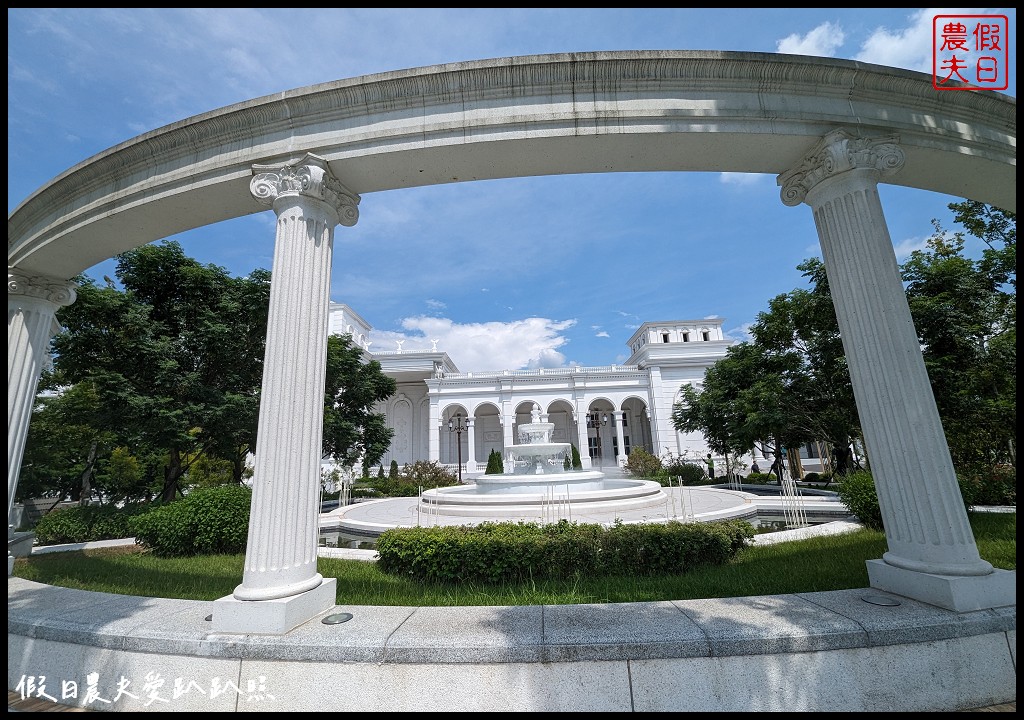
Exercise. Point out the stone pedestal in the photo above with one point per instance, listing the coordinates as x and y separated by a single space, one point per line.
272 617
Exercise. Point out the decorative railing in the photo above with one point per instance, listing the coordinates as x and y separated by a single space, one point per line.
543 372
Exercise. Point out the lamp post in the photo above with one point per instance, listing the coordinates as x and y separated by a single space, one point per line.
455 425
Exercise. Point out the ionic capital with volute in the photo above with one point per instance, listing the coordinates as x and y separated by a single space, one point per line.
309 177
836 153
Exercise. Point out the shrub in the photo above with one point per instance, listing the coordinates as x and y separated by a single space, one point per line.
420 474
86 523
760 479
991 486
207 521
577 463
688 473
495 465
857 493
513 551
393 470
642 464
812 477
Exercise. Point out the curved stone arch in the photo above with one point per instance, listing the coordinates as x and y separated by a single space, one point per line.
451 409
640 432
559 401
561 412
568 113
488 434
598 399
451 442
475 410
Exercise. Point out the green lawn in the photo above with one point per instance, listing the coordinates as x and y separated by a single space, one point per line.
825 563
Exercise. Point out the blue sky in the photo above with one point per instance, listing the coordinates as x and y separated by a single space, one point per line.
513 273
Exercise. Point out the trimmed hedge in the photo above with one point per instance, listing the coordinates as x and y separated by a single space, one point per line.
207 521
494 552
87 523
857 492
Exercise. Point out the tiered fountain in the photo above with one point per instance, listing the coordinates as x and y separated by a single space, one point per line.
535 478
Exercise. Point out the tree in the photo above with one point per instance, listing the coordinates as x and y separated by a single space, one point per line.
495 466
801 327
65 445
577 463
746 398
790 383
352 431
175 359
965 314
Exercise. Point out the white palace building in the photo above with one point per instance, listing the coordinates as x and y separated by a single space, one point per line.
604 411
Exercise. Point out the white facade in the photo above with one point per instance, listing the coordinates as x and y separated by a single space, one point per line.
604 411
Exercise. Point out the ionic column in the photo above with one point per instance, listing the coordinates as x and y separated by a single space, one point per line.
508 425
434 429
471 450
32 302
582 435
619 418
309 201
926 526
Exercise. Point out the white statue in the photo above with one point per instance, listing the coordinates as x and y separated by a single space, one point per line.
399 343
433 346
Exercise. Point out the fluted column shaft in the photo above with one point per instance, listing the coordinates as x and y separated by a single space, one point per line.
926 524
619 418
434 430
281 554
32 302
471 445
582 435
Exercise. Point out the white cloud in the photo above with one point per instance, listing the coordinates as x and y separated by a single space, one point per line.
741 179
602 334
528 343
435 304
741 333
904 247
547 358
907 47
823 41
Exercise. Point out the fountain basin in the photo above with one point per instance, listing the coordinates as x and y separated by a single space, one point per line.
511 495
562 483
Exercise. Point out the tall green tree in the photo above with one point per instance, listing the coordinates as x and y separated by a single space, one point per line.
175 358
65 445
353 432
800 328
790 384
787 386
964 310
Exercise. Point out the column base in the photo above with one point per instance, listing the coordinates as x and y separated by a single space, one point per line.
19 544
272 617
961 593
